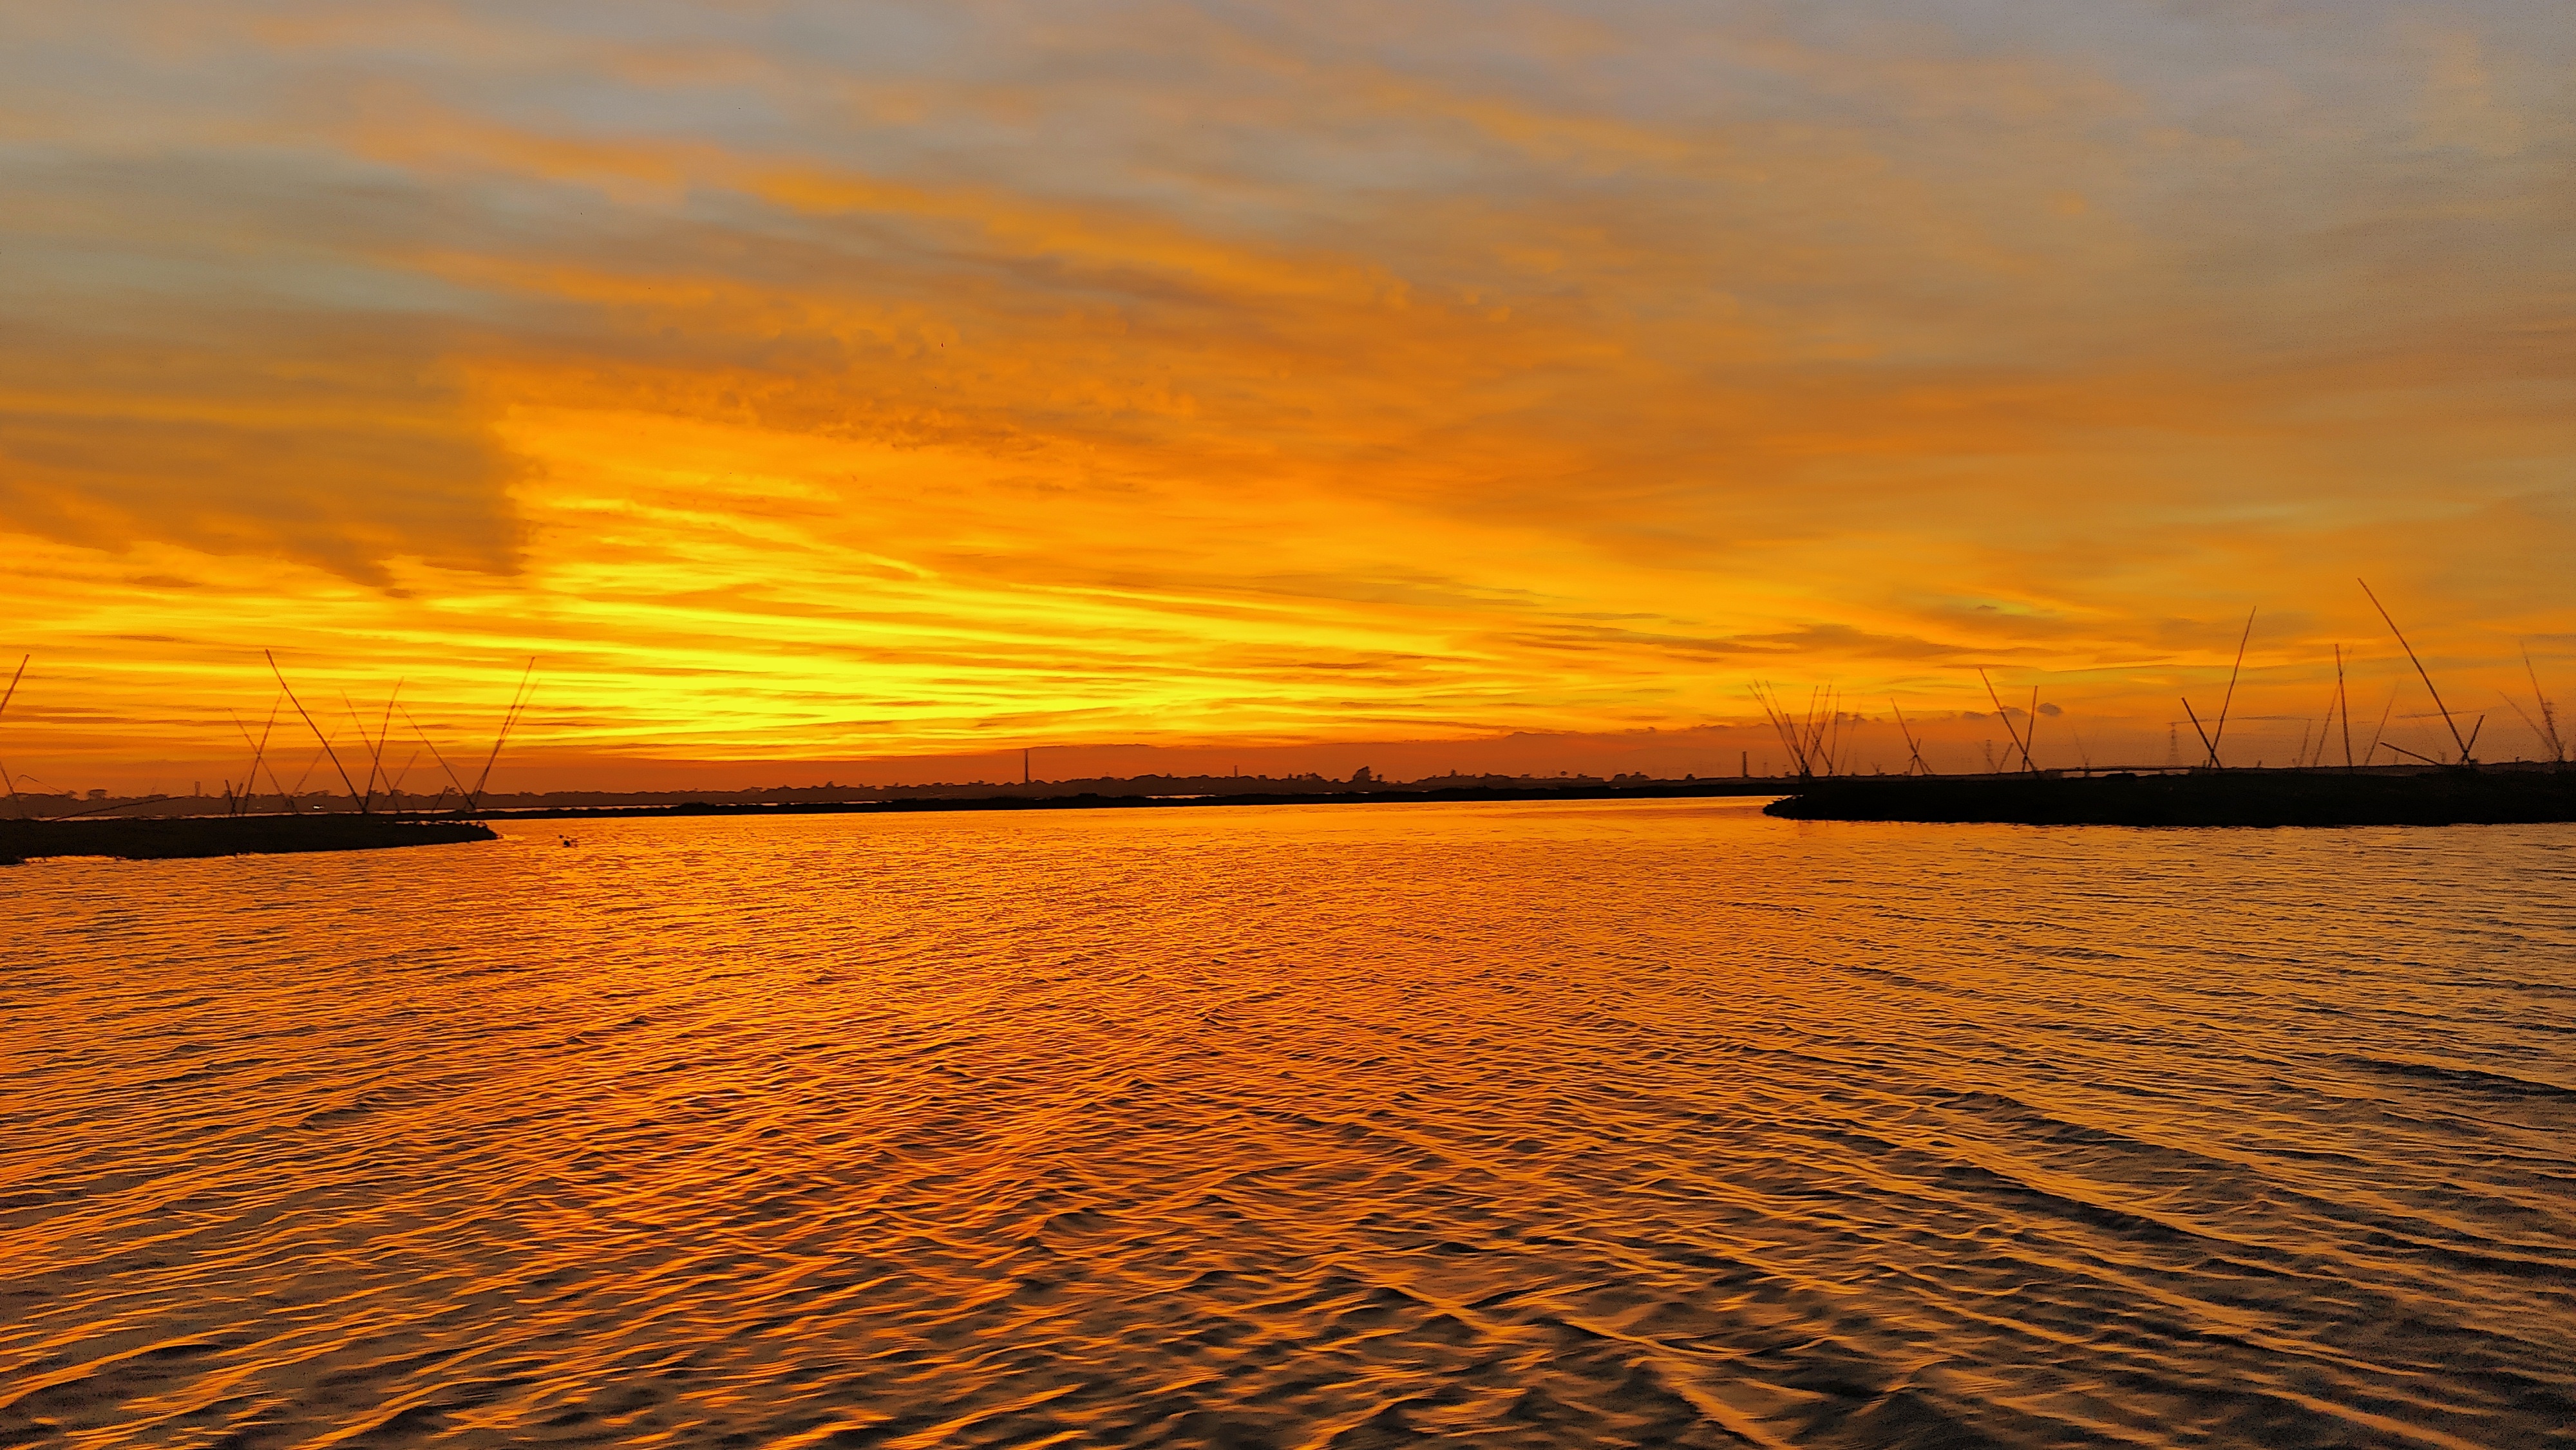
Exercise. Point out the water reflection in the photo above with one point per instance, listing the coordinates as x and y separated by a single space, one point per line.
1654 1124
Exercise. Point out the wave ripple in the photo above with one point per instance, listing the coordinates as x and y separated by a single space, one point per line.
1638 1124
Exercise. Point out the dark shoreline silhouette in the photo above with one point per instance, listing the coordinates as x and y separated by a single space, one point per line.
2446 796
162 838
2385 796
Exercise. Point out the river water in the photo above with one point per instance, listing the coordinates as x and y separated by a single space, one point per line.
1561 1124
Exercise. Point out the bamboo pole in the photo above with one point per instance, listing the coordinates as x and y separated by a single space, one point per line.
1816 747
359 723
2205 742
1912 747
1801 732
1787 729
2453 725
317 732
1813 734
375 747
517 701
5 697
1825 733
384 732
434 755
261 754
2004 715
2527 722
297 790
2384 712
258 752
103 810
2218 733
2324 734
1772 716
393 785
2548 727
2343 701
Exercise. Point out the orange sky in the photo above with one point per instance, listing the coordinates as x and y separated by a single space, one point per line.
866 391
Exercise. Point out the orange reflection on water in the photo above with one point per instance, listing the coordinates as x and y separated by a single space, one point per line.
1531 1124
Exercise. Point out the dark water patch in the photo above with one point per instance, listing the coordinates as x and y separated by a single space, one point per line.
2466 1079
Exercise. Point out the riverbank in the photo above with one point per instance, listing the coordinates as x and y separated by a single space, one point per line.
2434 797
172 838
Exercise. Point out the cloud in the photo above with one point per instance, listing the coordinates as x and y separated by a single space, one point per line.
1127 369
309 408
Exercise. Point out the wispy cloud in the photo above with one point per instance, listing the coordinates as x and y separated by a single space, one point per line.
815 378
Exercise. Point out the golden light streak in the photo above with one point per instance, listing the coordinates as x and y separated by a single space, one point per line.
1238 383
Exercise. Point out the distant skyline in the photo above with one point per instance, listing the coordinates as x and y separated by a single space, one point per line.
813 385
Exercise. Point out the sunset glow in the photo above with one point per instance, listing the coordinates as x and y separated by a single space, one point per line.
1239 725
825 386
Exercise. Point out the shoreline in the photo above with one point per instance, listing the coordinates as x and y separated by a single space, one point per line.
2256 797
177 838
2205 798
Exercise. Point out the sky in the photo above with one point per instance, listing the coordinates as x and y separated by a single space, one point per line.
870 391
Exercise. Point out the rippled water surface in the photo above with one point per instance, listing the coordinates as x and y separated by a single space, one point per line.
1635 1124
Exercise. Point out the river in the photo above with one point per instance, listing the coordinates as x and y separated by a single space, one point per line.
1646 1123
